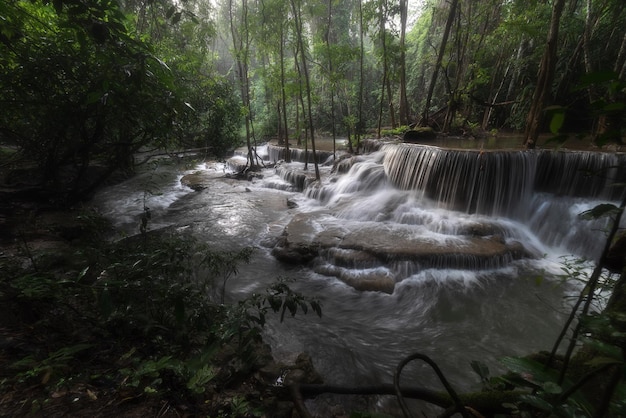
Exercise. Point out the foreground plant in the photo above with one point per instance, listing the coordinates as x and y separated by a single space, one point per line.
137 318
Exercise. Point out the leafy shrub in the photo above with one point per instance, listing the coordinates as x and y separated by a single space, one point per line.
155 316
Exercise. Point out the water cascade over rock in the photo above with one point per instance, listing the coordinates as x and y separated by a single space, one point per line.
408 247
408 208
502 182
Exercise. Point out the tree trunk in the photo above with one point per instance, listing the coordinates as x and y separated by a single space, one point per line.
283 94
359 125
331 77
404 105
442 50
241 57
298 24
383 41
543 87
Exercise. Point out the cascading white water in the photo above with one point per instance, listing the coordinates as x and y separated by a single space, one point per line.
410 215
544 189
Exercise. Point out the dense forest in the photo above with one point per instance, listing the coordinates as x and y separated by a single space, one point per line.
90 89
86 81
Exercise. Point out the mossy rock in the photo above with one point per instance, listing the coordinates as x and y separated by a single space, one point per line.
419 134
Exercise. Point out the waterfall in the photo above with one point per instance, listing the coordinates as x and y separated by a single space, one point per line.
502 182
491 183
545 189
380 247
276 153
581 174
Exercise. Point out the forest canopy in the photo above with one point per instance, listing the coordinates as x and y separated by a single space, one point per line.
91 81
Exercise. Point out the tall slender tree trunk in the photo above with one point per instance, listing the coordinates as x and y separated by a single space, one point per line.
543 88
392 110
241 57
359 125
404 105
521 50
298 23
494 95
331 77
442 50
381 106
302 110
283 94
383 41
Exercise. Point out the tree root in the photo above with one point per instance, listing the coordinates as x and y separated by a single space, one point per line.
486 403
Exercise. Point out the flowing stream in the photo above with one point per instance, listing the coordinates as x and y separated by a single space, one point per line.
449 303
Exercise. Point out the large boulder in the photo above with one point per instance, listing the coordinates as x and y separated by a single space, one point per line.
361 256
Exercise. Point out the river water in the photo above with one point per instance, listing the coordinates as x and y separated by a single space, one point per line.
454 314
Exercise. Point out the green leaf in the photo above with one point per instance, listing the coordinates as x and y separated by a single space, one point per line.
202 376
317 308
595 78
603 361
529 370
552 388
82 274
556 123
537 402
480 369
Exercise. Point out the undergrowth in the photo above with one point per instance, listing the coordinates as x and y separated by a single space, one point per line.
141 317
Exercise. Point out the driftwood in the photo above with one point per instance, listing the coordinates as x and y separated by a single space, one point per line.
468 405
487 402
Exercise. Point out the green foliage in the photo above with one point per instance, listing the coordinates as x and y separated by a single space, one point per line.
577 270
555 394
250 315
545 395
153 317
81 91
50 367
398 131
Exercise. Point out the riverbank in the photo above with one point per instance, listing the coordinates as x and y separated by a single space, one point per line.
74 340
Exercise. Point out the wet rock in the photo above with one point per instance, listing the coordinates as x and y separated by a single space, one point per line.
360 257
195 181
294 253
375 280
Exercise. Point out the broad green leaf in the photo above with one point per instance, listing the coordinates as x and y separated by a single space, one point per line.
480 369
607 350
530 370
552 388
596 77
556 123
